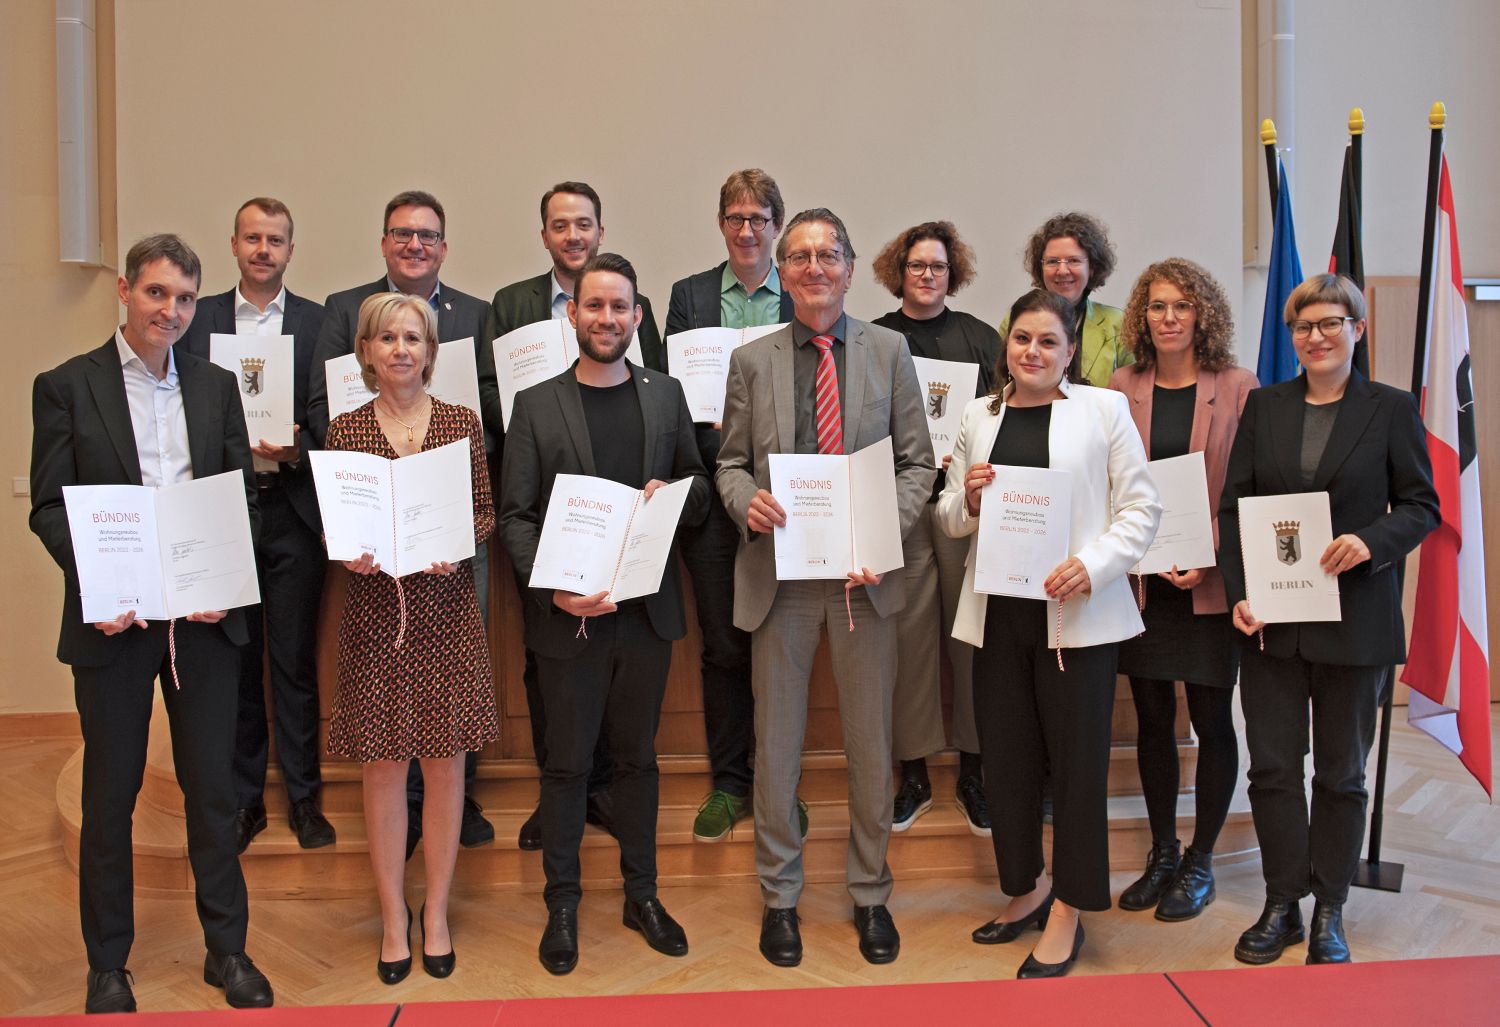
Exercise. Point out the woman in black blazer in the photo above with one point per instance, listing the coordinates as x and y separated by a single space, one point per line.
1328 430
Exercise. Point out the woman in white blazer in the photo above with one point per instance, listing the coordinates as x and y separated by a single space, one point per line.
1032 713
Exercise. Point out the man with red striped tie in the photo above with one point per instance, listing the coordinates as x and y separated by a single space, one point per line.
826 383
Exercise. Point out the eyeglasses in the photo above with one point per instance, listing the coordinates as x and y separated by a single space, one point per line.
1071 263
827 259
1328 327
918 268
426 236
738 221
1156 310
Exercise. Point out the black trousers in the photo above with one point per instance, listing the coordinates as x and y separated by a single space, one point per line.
1301 852
728 701
291 562
1033 718
614 688
114 713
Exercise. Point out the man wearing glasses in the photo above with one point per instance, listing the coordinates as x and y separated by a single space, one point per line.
741 292
414 243
824 384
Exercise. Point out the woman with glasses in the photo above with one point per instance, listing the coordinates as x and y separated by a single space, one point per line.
1185 397
922 267
1071 256
1328 430
1044 672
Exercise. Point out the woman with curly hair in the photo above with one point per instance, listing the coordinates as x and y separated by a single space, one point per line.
922 267
1185 397
1071 256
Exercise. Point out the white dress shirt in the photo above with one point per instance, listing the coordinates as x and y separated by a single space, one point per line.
559 300
156 417
251 320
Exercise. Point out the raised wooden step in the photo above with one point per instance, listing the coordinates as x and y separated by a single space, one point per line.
938 845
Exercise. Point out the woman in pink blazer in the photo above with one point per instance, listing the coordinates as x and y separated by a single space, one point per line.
1185 397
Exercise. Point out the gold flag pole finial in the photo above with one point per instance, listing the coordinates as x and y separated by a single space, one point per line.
1437 117
1268 132
1356 121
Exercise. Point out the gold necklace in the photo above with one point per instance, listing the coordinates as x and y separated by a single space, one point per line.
412 427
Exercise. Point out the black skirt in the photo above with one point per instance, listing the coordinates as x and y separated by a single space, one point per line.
1179 645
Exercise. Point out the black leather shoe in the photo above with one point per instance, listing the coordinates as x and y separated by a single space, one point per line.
1146 890
530 837
913 799
559 947
109 992
600 812
436 966
244 986
974 805
1191 889
474 830
413 827
662 933
994 933
1032 969
1280 925
247 824
1325 938
780 937
310 825
878 940
395 971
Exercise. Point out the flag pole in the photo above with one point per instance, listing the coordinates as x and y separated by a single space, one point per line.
1357 188
1371 872
1357 151
1268 140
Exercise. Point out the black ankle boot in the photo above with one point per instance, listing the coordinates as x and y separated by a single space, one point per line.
1191 889
1280 925
1325 941
1160 866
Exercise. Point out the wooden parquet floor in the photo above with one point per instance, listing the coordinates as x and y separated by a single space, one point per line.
321 952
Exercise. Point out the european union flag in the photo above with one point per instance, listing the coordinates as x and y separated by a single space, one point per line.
1278 360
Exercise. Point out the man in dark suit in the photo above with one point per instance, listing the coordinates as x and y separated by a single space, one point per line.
134 413
414 244
741 292
572 228
290 550
603 416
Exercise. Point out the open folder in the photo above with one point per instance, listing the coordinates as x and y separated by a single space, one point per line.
840 513
601 536
699 359
162 552
410 513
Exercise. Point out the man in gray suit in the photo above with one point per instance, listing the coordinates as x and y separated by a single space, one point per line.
414 243
602 666
831 384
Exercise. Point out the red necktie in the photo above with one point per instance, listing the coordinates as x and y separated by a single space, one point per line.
830 420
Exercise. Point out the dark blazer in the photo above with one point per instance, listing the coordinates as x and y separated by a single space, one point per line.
530 300
1379 483
1218 402
301 321
460 316
548 436
82 435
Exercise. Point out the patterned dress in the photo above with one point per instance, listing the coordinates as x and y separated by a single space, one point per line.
434 696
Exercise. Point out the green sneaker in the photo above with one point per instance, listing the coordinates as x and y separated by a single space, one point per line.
802 817
717 816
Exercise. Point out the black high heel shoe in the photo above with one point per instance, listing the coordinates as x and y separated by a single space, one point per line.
395 971
436 966
994 933
1033 968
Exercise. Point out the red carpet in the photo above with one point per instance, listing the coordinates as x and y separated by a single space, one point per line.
1426 992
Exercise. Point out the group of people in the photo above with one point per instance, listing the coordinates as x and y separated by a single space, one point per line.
1067 383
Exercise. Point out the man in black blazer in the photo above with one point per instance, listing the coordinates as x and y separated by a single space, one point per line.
602 667
572 228
414 244
290 550
742 292
132 412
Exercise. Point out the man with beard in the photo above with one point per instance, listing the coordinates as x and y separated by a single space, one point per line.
572 228
601 666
